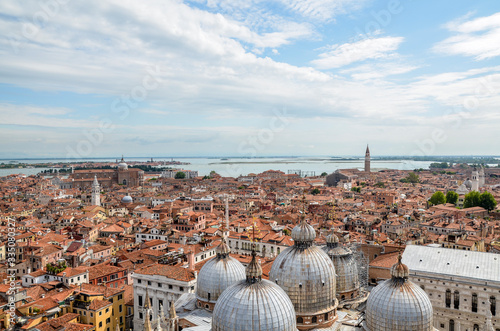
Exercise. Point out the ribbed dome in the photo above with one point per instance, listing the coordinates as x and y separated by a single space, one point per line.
398 304
302 271
218 274
303 233
345 267
254 304
262 306
332 239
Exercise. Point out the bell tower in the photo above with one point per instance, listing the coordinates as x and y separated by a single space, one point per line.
96 193
367 159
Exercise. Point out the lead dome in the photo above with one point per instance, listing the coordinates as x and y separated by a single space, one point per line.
127 199
398 304
306 273
254 304
122 165
346 268
216 275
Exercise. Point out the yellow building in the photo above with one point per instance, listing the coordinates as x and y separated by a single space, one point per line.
100 306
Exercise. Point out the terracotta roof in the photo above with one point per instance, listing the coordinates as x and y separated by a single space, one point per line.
385 260
98 304
172 272
57 323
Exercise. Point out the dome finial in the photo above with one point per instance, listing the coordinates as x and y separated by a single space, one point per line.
332 240
303 234
400 270
223 249
254 270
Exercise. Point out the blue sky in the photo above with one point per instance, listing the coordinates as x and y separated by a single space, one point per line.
248 78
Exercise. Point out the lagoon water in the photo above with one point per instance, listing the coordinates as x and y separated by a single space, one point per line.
242 166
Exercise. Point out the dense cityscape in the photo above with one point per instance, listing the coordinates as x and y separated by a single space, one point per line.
121 248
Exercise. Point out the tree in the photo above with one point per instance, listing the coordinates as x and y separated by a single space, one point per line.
380 184
323 174
437 198
315 191
452 197
180 175
472 199
413 178
487 201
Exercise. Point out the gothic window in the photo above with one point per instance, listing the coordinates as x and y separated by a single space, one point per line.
314 319
474 303
452 325
456 300
300 320
448 298
493 306
476 327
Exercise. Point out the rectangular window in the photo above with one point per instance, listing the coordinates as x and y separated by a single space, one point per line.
120 308
140 300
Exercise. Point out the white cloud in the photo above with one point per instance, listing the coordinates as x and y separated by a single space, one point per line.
213 82
378 71
478 38
39 116
345 54
323 10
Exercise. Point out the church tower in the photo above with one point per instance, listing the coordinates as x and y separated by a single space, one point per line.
482 179
475 180
96 193
367 159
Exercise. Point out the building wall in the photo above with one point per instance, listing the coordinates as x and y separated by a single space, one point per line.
161 290
464 318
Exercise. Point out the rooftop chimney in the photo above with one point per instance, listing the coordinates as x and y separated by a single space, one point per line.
190 258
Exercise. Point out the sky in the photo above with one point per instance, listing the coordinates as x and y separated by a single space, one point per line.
249 78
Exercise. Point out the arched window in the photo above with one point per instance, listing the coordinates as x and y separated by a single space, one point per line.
326 316
474 303
476 327
314 319
452 325
456 300
493 306
124 182
448 298
300 320
342 297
